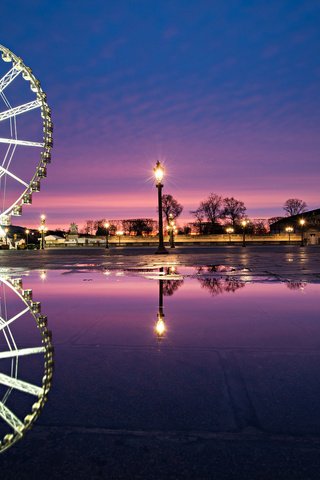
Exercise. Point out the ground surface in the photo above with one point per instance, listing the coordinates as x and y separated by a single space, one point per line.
256 431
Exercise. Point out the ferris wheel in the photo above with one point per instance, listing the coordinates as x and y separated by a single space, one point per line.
25 135
25 371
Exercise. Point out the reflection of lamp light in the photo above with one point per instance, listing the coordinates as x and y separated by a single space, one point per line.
43 275
160 327
159 174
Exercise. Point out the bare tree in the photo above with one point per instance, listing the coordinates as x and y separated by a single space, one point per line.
233 209
171 206
212 207
294 206
199 216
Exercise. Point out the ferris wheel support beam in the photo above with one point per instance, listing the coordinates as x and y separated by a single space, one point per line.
22 352
4 323
13 112
10 418
15 141
4 170
20 385
9 77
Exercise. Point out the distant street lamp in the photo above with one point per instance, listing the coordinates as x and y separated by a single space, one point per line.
244 223
119 233
159 174
27 234
230 231
302 224
171 228
107 226
289 230
6 230
42 229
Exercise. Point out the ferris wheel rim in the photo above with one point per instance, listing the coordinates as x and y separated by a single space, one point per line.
19 68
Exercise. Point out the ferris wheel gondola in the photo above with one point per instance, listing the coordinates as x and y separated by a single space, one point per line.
25 135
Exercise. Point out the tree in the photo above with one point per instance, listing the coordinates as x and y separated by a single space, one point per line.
212 207
199 215
170 206
294 206
139 226
233 209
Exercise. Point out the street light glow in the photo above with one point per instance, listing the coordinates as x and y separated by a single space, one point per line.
160 327
158 172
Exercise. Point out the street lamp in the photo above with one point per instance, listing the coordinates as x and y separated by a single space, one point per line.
42 229
244 223
230 231
107 226
27 234
159 174
171 228
6 230
289 230
119 233
302 224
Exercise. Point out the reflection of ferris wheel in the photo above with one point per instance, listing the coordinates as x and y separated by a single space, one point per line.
25 135
26 361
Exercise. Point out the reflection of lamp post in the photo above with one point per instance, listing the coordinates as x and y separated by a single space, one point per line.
302 224
244 223
289 230
171 227
230 231
160 326
27 234
119 233
159 174
107 226
6 230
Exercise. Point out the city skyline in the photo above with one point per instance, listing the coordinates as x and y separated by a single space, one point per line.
225 95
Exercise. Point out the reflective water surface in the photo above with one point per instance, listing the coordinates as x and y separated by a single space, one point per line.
163 350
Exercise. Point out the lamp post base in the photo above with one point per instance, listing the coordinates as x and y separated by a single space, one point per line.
161 251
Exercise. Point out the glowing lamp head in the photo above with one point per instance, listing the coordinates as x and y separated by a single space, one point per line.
43 217
158 172
289 229
302 222
229 230
6 230
27 231
106 225
244 223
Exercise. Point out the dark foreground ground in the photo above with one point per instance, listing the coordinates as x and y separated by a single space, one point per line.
255 434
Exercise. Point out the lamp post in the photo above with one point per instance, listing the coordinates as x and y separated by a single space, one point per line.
171 228
119 233
42 229
160 326
107 226
289 230
302 224
27 235
244 223
230 231
159 174
6 230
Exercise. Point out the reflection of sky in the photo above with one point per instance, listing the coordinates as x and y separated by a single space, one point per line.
94 309
226 94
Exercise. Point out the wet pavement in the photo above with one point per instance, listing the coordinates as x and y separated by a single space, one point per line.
226 387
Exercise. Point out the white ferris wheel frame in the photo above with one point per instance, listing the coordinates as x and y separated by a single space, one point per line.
10 114
18 427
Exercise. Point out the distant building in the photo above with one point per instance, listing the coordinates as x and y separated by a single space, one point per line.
311 227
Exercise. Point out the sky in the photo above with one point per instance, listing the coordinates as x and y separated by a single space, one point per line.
226 94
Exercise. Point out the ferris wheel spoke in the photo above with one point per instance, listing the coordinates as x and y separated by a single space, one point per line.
9 77
13 112
15 141
22 352
4 170
10 418
4 323
20 385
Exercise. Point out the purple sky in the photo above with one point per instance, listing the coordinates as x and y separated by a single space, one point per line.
226 93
